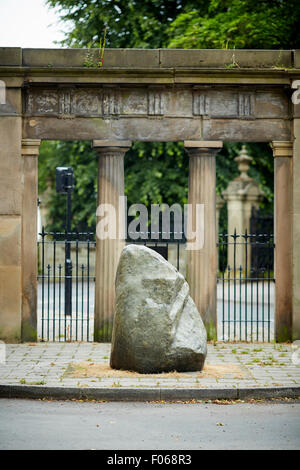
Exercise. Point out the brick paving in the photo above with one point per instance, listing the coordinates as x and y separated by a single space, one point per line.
48 364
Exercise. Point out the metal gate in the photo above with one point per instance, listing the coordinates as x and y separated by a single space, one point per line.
246 287
66 293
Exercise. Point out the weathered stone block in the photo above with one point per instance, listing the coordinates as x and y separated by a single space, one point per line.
10 56
10 303
10 236
220 58
246 130
131 58
297 58
157 326
10 165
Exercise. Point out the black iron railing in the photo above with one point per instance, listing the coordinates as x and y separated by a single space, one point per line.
65 291
169 245
245 287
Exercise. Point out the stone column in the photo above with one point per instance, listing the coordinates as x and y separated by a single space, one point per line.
202 263
110 188
10 216
283 179
296 226
30 152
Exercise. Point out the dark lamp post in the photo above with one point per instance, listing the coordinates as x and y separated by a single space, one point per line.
65 185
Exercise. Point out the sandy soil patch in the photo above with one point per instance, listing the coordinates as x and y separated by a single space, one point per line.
99 370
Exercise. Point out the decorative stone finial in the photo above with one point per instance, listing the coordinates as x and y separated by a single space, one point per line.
243 161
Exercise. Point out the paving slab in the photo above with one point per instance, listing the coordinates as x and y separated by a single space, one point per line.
46 370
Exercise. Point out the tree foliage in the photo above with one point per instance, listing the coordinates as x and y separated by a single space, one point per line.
131 23
158 172
238 24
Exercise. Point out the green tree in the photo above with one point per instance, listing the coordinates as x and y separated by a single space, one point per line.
239 24
263 24
131 23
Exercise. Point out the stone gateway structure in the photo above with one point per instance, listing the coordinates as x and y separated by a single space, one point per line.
201 97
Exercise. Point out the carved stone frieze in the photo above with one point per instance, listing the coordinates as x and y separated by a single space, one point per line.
155 102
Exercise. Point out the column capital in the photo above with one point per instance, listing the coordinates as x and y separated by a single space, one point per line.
30 147
104 146
203 148
282 148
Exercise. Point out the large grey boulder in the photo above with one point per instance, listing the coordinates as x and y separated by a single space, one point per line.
157 326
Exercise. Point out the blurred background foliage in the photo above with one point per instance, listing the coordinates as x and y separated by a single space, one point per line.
158 172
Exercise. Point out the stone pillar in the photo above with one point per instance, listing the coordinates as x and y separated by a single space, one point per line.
296 227
30 152
241 195
283 179
110 188
202 263
10 216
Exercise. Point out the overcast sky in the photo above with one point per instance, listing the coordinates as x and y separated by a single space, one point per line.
29 23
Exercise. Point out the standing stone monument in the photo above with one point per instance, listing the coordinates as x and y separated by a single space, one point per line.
157 327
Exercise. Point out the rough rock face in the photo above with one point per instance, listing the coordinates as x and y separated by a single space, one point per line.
157 326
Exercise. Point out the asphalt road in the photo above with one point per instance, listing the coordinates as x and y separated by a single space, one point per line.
29 424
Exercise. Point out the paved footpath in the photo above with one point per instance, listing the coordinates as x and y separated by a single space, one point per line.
234 371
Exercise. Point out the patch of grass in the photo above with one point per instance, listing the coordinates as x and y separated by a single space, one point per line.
116 384
272 359
24 382
81 385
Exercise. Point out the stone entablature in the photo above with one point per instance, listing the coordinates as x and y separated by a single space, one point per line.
178 101
199 94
